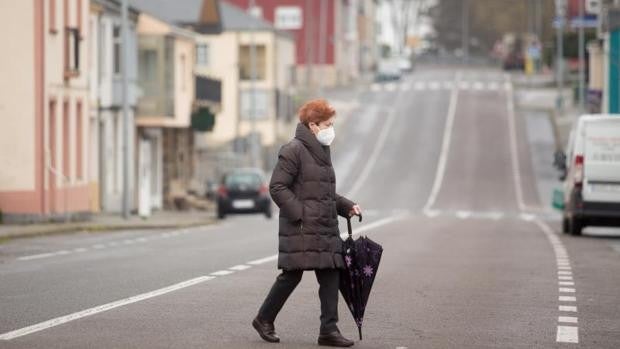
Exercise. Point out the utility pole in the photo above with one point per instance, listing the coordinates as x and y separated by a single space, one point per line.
465 31
309 43
253 137
322 43
561 17
582 72
125 100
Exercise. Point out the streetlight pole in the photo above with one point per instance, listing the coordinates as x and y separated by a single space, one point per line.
125 101
560 16
582 73
465 31
252 114
322 42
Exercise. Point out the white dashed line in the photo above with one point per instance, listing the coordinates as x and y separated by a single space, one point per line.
567 334
101 308
566 290
570 308
567 298
221 273
569 319
263 260
463 214
240 267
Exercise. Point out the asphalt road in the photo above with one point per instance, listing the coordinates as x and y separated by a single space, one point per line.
439 163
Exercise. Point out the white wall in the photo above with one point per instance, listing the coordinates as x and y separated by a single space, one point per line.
17 96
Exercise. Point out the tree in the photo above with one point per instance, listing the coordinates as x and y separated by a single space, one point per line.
404 14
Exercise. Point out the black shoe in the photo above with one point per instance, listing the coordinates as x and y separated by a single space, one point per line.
266 330
334 339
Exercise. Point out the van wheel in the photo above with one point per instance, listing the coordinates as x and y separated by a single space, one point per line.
565 225
575 226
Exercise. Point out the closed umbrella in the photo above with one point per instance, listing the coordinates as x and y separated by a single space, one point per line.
362 257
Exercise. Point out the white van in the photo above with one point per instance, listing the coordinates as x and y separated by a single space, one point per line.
592 184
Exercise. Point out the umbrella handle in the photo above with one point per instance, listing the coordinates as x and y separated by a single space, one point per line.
349 224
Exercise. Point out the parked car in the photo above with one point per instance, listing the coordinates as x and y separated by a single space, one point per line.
592 181
243 191
388 70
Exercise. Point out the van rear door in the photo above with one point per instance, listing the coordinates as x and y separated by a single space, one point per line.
602 160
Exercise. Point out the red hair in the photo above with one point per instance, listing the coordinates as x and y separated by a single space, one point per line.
316 111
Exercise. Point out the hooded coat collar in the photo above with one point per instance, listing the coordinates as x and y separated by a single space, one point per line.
319 151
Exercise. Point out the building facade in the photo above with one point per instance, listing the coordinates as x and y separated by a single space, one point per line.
325 32
44 107
107 102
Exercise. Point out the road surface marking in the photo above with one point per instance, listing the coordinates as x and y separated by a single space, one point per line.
221 273
514 155
527 217
98 246
570 319
464 85
493 86
463 214
567 334
80 250
478 85
375 87
101 308
391 86
570 308
445 146
419 86
240 267
431 213
263 260
434 85
37 256
567 298
405 86
378 147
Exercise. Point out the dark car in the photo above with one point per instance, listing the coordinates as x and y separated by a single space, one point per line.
243 191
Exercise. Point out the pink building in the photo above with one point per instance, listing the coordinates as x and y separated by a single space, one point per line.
44 111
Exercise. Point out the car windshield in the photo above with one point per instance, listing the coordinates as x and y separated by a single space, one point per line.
245 179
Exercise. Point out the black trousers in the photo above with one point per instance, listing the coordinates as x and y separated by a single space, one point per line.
286 282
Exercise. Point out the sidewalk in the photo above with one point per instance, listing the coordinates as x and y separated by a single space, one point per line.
108 222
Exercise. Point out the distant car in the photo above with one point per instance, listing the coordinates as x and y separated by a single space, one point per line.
405 65
243 191
388 71
592 182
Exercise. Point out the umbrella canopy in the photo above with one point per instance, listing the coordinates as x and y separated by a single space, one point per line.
362 257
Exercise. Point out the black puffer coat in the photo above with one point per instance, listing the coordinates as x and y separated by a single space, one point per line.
303 185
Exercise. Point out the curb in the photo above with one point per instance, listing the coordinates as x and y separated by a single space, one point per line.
98 228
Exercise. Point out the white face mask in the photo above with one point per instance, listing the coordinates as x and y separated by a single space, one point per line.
326 136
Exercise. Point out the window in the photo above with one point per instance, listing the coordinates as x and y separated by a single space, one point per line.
256 11
288 17
116 34
260 103
65 141
51 146
78 140
245 66
183 73
52 16
72 52
202 54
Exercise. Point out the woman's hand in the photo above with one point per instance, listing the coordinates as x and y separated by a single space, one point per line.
356 210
